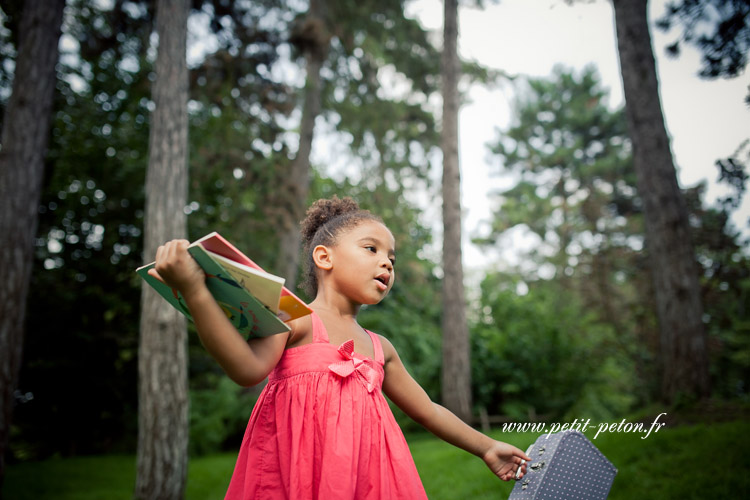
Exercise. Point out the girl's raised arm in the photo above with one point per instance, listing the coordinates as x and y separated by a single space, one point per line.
502 458
247 363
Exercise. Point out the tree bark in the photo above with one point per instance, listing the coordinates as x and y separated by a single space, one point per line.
162 354
313 38
683 356
456 379
25 137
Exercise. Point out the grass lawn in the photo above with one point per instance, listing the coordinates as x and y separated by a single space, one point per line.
687 462
690 462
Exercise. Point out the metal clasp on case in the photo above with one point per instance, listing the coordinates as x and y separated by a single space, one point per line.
537 465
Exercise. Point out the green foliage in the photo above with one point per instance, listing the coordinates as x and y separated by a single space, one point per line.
577 194
572 155
732 172
232 180
219 411
725 286
719 29
380 73
543 354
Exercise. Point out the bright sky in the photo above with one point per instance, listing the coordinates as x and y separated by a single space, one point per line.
707 120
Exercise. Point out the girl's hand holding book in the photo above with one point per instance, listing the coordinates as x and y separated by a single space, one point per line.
176 268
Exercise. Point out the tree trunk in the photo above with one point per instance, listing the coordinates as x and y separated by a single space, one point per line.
683 356
456 382
313 38
162 354
24 146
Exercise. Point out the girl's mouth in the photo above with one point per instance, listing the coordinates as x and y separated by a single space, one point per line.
383 280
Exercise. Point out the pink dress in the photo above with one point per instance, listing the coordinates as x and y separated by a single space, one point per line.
322 429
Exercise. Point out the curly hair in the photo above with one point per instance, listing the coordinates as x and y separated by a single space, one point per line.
323 223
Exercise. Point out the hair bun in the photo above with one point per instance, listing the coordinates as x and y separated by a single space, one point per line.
324 210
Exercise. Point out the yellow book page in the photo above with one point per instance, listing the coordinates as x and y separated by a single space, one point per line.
291 308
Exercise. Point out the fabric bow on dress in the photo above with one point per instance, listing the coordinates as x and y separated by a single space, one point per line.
350 365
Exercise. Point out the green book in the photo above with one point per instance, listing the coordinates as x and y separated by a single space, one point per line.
248 315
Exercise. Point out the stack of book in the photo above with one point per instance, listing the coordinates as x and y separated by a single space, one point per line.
256 302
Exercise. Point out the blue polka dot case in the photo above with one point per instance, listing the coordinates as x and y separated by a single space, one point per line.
565 466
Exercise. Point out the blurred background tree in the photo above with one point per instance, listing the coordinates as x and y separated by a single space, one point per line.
162 454
683 358
456 373
22 158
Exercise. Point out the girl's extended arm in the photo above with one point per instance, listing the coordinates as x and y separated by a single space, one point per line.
503 459
247 363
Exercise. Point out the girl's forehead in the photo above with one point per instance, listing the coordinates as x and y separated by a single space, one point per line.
373 229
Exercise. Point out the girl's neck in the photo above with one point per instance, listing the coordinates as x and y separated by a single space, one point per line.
335 305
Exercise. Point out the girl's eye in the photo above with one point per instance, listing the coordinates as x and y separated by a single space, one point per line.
371 248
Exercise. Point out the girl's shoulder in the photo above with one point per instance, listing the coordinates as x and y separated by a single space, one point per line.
301 331
389 352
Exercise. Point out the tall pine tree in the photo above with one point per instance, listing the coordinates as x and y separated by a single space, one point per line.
24 145
456 349
162 354
683 343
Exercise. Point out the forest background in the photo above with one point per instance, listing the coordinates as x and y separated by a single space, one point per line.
578 307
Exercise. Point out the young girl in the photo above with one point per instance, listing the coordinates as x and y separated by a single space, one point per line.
321 427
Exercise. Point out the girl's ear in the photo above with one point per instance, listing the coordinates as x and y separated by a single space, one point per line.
322 258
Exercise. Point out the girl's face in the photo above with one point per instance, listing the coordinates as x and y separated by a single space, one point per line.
362 262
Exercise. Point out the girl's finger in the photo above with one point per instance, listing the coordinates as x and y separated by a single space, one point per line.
520 453
171 250
159 253
177 247
152 272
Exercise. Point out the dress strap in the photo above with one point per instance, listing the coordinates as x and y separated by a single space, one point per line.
319 329
377 346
